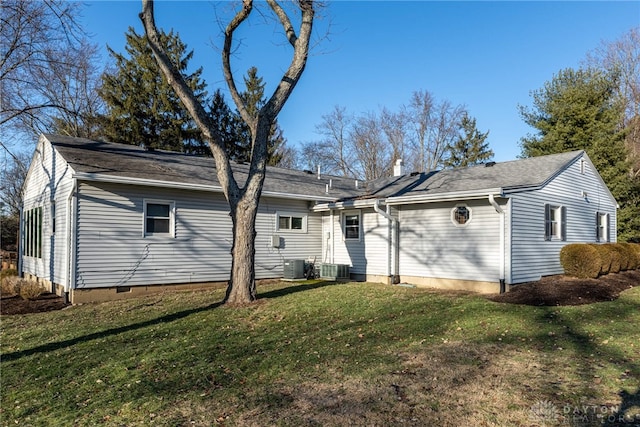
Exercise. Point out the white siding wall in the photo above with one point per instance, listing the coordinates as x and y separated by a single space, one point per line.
111 249
367 255
532 256
49 182
432 246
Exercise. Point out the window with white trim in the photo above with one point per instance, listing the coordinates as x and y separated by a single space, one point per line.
555 219
351 225
291 222
461 215
32 226
159 218
602 227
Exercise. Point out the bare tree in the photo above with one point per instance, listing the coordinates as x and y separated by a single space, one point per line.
622 59
372 150
418 114
333 153
394 127
44 67
433 126
12 176
243 200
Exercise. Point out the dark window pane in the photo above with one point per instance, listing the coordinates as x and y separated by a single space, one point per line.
351 220
352 232
296 223
155 225
284 223
461 215
157 210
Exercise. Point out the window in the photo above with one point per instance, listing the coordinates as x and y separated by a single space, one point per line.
602 227
32 225
461 215
291 222
555 218
351 226
158 218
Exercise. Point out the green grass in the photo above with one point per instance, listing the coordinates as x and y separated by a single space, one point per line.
319 353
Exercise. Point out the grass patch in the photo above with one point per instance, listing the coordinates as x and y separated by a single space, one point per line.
319 353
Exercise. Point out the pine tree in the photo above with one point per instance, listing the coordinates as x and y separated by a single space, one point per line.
254 99
141 106
579 110
226 123
470 147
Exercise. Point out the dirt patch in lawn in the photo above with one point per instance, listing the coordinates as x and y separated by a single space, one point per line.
14 304
563 290
549 291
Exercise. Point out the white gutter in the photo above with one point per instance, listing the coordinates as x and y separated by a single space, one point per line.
442 197
500 211
390 245
95 177
348 204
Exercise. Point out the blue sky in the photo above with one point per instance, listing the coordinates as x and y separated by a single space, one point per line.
488 56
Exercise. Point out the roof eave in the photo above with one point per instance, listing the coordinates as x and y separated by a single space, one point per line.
444 197
94 177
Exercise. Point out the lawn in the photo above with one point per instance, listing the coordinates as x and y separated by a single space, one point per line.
320 353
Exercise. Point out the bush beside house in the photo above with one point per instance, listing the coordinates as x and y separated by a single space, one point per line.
590 260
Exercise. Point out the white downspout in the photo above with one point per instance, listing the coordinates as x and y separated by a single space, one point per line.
71 229
376 207
333 246
499 209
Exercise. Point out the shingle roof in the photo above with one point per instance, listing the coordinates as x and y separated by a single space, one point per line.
508 176
127 161
108 159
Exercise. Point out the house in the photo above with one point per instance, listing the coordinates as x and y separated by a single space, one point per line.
102 221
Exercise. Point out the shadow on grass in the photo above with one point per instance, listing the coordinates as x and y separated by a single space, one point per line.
296 288
624 415
45 348
53 346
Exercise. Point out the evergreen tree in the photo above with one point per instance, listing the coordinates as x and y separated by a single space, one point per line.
470 147
579 110
226 123
254 99
142 108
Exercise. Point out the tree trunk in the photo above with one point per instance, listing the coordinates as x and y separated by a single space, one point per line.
242 285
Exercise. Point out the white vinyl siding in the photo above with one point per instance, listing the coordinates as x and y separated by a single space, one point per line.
366 255
47 186
432 246
112 251
577 189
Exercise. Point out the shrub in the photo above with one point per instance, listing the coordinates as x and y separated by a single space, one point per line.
616 260
28 289
632 254
580 260
8 285
8 273
606 257
636 248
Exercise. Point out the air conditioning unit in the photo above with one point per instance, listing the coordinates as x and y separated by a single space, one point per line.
293 269
334 271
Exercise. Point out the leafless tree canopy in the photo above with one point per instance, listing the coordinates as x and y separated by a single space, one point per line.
367 146
46 68
622 58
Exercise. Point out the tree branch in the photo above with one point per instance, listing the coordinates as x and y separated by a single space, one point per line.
200 116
